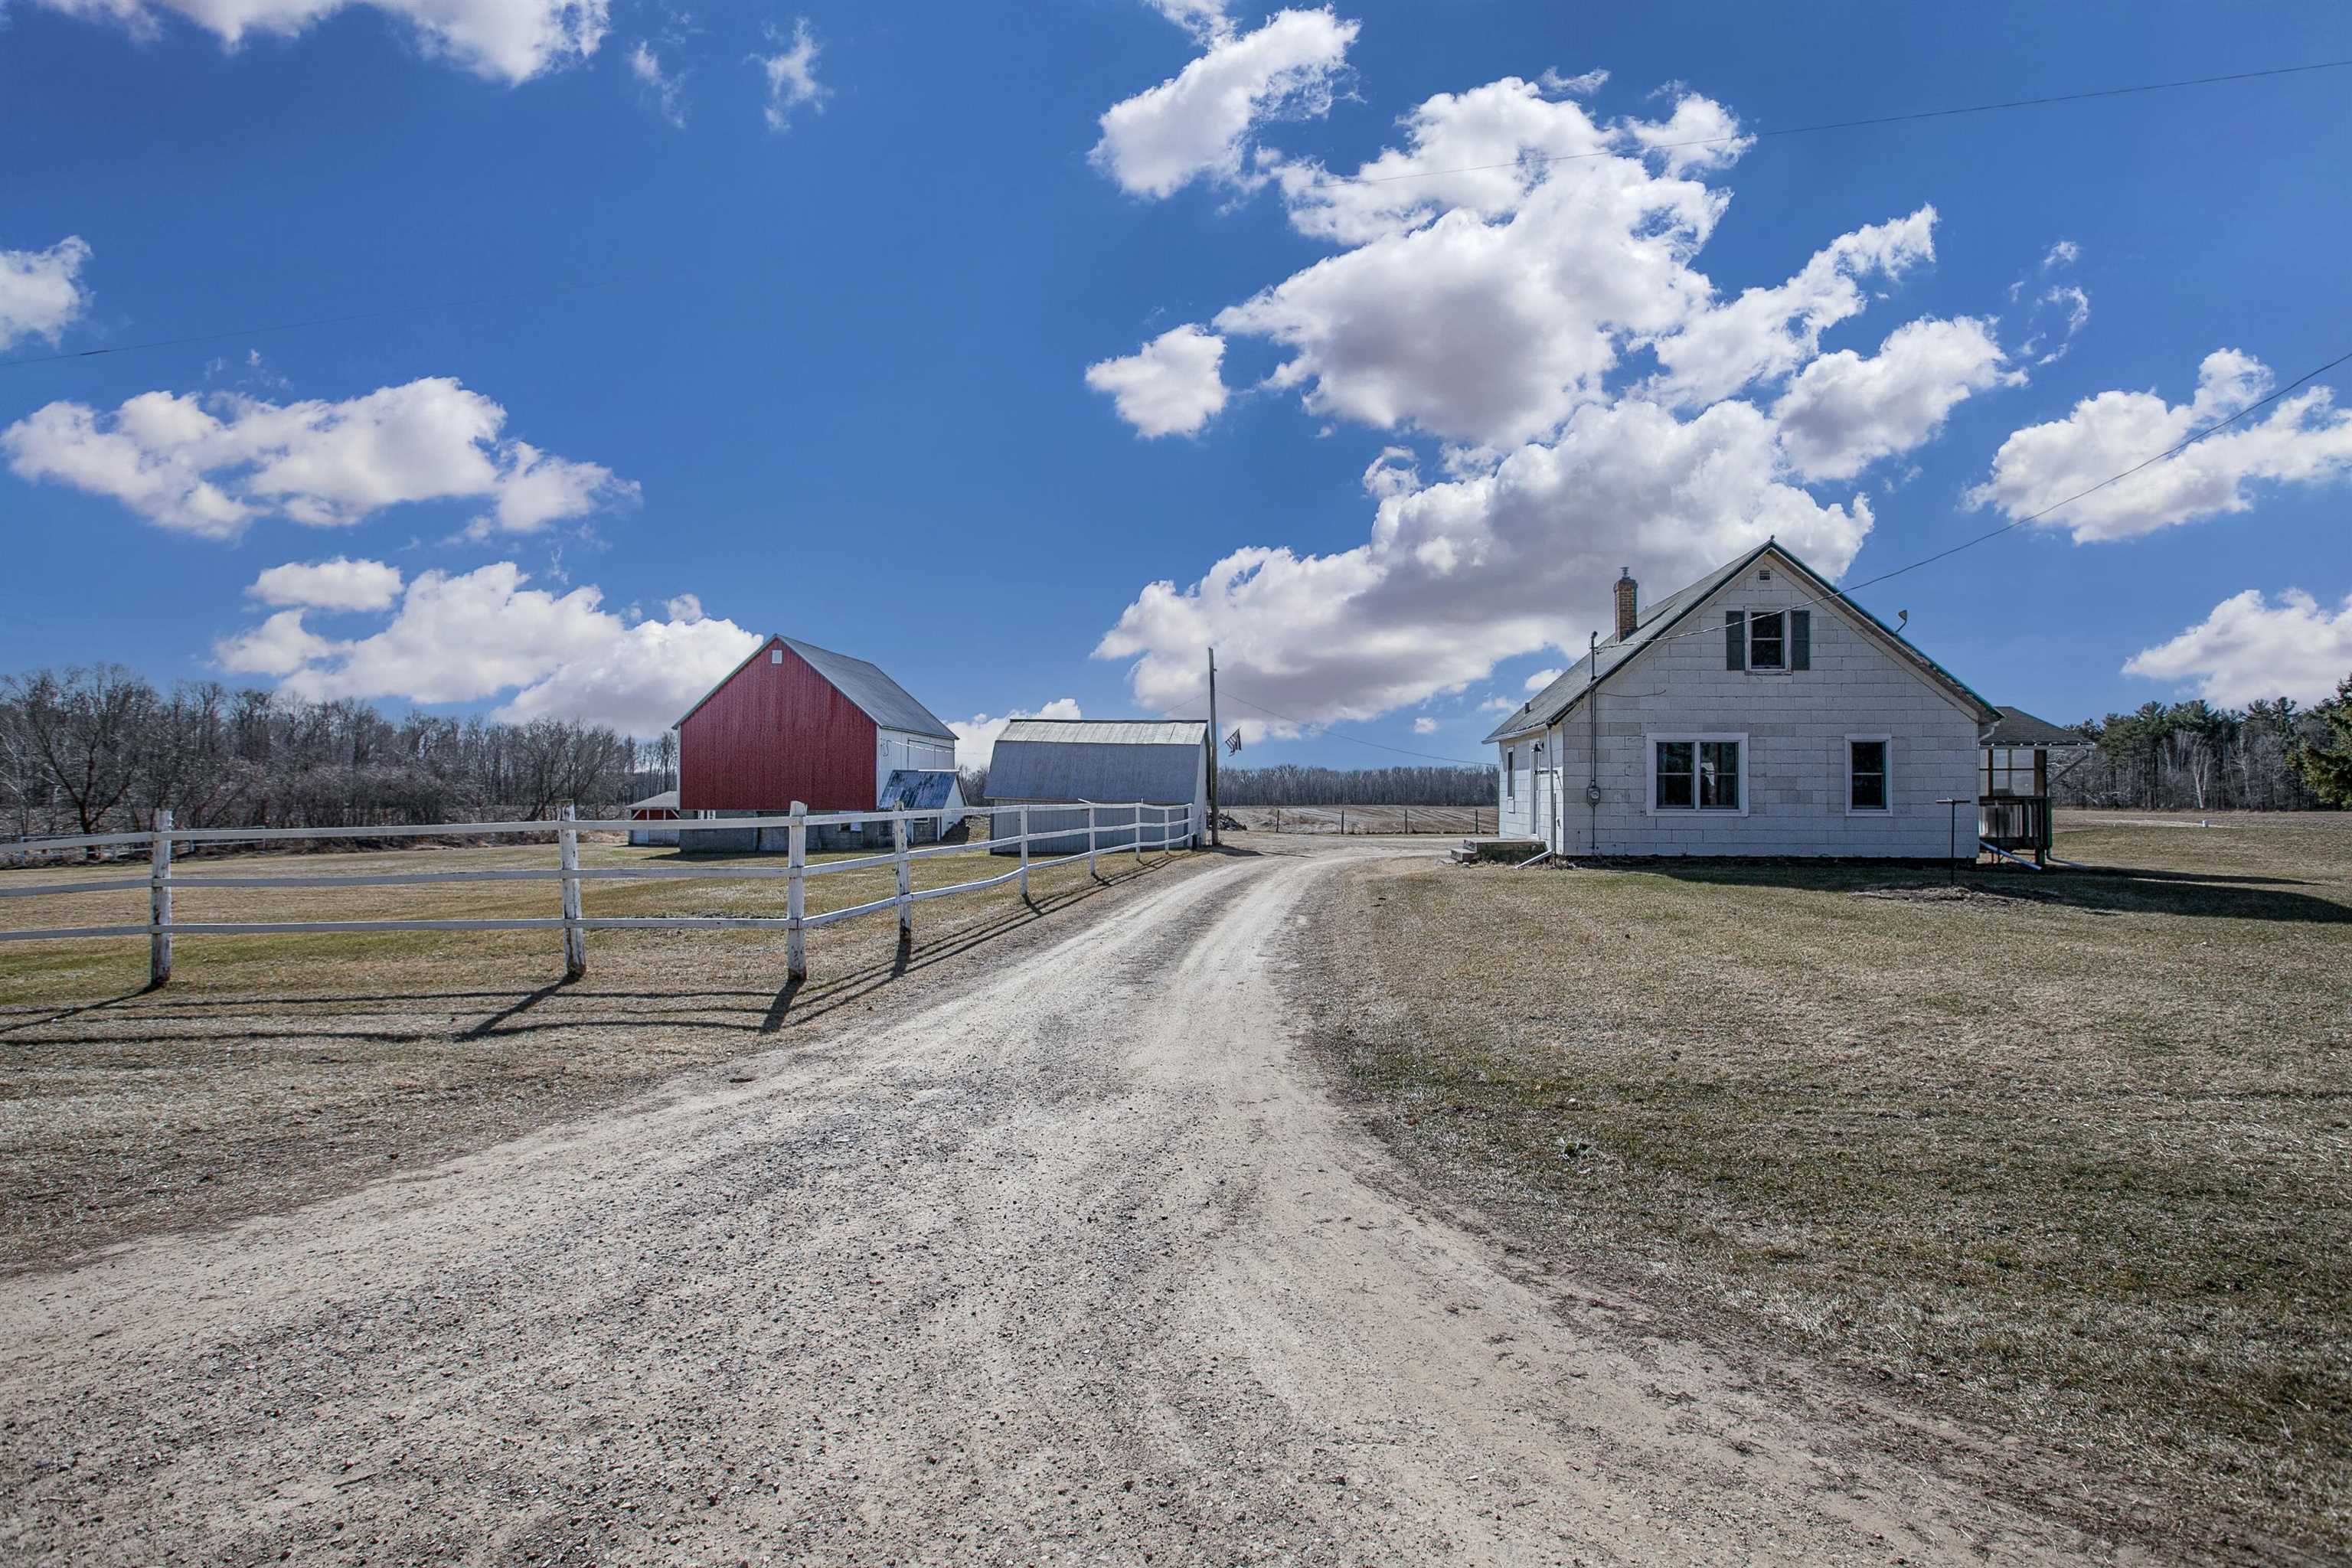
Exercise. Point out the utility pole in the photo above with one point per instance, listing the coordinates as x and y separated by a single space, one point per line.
1216 744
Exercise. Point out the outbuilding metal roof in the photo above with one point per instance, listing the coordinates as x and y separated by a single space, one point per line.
1110 731
1159 761
2016 727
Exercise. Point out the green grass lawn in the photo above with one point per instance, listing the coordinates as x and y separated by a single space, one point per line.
2070 1154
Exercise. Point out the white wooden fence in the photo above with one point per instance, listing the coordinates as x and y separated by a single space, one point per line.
1131 819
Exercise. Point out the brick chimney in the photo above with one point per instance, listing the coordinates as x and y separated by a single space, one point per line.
1627 605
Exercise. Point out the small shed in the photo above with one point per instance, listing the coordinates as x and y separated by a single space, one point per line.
654 808
1161 761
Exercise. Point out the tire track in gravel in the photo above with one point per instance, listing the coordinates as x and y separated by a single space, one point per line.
1076 1265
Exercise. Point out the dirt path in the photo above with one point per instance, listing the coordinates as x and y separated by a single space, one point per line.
1081 1266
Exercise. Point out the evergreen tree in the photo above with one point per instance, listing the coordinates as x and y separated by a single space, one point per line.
2327 765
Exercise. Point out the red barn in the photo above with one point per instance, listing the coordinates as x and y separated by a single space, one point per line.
795 721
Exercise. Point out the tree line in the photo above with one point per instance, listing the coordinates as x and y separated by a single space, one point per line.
99 749
1293 783
2270 755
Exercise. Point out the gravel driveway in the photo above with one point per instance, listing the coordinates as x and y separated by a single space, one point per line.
1077 1265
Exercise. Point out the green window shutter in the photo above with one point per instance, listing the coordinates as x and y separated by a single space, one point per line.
1801 640
1734 639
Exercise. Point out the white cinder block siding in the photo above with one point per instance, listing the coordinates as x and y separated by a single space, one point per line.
1796 725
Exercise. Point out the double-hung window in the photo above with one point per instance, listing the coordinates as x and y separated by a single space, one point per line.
1510 772
1771 640
1867 776
1698 773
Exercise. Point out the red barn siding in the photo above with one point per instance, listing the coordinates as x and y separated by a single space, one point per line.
774 733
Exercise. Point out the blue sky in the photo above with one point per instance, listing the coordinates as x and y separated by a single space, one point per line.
783 321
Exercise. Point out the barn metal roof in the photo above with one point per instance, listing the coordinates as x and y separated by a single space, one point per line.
878 697
1549 706
1107 760
884 701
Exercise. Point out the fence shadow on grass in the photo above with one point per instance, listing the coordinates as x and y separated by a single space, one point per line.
511 1013
2100 890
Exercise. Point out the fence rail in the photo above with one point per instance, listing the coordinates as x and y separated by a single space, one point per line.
1130 819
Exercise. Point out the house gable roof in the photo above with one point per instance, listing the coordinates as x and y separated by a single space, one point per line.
876 695
1547 706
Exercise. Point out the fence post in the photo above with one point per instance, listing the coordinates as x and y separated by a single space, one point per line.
1091 809
906 880
1343 822
796 865
575 935
159 903
1023 820
1408 821
1138 835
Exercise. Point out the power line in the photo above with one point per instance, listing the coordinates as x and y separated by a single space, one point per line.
1990 535
1354 179
1859 124
2011 527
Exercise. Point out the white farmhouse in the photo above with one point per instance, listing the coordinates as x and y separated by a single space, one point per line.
1758 711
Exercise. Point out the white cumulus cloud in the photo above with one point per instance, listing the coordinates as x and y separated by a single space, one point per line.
1460 575
1198 123
1842 411
1519 284
511 40
211 465
465 636
2248 648
665 88
790 73
1425 725
341 583
1170 386
1768 332
976 736
40 291
2301 440
1541 679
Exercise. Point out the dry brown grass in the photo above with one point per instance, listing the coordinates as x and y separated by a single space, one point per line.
2073 1160
1459 820
275 1069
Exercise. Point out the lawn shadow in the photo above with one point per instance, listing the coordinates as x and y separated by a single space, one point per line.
2099 889
510 1013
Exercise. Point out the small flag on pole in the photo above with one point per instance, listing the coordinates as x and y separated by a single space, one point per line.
1233 741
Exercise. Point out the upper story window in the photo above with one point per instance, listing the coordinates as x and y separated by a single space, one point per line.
1768 639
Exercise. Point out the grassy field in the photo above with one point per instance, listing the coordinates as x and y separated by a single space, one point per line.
274 1069
1461 821
2069 1155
